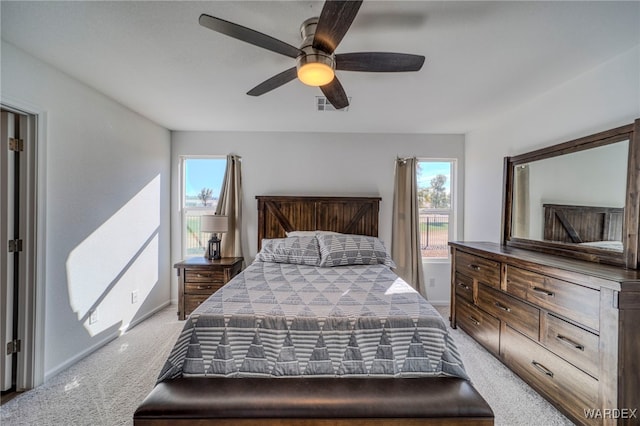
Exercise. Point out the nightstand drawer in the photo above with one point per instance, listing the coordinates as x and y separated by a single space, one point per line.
464 287
550 374
202 288
570 300
483 327
576 345
519 315
192 301
484 270
200 276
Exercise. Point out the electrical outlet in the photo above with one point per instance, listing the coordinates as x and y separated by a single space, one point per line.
432 282
93 317
134 296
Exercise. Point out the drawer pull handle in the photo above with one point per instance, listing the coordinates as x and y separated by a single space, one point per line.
542 368
473 320
543 291
203 275
205 287
474 267
463 285
570 342
501 306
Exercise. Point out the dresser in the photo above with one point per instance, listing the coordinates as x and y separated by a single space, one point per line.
199 278
569 328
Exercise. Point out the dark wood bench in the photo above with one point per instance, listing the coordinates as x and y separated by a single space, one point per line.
314 401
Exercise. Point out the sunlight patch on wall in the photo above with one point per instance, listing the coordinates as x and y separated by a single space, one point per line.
118 259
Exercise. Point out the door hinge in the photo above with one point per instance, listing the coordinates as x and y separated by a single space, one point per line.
15 246
13 347
16 145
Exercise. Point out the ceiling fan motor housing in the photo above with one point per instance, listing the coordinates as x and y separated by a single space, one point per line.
311 55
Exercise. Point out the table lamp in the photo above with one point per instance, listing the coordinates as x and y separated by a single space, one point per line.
214 224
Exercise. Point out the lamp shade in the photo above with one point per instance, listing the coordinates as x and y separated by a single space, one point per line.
214 223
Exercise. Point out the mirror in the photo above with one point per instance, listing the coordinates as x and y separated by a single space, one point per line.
573 198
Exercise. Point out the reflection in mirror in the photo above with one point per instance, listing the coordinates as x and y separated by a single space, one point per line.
576 198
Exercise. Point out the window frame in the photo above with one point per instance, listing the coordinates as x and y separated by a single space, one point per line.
186 211
452 210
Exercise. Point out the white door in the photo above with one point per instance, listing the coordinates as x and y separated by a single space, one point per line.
7 227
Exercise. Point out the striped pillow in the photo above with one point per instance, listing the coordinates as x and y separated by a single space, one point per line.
296 250
346 249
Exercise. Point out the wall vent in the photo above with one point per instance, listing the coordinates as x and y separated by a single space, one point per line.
322 104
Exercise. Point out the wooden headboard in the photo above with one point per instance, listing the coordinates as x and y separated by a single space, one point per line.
349 215
582 224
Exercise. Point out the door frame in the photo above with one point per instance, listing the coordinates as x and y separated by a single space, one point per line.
32 296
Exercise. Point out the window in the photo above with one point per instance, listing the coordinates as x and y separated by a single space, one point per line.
435 203
201 182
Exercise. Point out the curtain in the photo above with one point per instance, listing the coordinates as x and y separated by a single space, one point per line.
230 205
520 207
405 238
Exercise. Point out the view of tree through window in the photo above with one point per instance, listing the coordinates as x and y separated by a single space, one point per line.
434 202
201 182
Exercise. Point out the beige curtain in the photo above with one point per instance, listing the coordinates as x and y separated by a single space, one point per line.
405 238
230 205
520 207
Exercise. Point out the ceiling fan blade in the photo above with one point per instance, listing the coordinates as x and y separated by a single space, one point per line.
335 94
334 22
248 35
378 62
274 82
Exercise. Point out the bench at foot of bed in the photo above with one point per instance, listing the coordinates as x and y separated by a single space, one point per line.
314 401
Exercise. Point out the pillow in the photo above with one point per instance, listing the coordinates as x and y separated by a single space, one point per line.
309 233
301 234
346 249
296 250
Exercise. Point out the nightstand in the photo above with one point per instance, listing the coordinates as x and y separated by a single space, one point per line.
199 278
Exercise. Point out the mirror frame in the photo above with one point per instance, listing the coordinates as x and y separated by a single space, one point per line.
630 238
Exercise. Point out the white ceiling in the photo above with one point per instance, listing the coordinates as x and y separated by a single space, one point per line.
482 58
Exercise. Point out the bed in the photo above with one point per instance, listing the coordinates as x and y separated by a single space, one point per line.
317 330
590 226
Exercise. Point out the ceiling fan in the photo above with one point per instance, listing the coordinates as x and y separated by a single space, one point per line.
316 61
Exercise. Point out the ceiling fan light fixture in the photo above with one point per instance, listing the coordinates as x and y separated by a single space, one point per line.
315 74
315 68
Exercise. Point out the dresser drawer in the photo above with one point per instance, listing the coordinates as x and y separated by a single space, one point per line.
576 345
482 326
573 301
203 276
464 287
524 318
192 301
549 374
202 288
484 270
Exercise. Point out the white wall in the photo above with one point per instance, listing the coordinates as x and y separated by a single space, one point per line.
106 187
602 98
316 164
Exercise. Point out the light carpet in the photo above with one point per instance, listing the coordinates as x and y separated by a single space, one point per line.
106 387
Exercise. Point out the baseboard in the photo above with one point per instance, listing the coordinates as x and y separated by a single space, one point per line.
154 311
60 368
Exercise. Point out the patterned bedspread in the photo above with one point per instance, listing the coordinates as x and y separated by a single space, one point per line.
280 319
